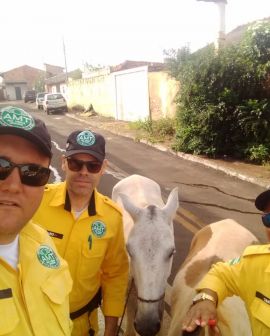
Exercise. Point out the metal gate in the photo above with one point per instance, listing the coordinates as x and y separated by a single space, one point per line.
131 94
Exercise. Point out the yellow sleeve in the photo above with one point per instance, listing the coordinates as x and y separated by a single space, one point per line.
225 278
114 276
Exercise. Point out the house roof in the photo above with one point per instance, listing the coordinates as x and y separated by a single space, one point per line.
20 74
53 70
152 66
61 78
24 74
236 34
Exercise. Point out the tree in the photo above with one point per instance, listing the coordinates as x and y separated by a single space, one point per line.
40 83
223 106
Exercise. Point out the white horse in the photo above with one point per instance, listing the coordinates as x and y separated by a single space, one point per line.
149 237
220 241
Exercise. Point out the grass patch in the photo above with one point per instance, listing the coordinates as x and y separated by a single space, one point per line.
155 131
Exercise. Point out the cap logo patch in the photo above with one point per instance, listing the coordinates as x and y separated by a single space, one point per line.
47 257
98 228
16 117
86 138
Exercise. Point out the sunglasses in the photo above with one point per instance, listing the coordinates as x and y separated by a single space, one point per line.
77 165
31 174
266 220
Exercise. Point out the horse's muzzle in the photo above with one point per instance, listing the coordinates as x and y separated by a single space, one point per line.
147 327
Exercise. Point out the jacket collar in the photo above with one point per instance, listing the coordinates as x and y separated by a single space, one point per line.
91 206
61 197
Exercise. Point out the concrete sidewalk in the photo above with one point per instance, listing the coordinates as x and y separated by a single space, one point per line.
256 174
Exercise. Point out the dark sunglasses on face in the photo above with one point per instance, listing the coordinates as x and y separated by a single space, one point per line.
266 220
31 174
77 165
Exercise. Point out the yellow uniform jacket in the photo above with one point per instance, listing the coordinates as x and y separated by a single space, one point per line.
93 245
249 278
34 298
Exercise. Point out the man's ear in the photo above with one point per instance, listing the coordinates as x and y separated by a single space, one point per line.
63 163
104 166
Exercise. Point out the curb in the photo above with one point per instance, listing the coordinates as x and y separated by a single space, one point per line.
189 157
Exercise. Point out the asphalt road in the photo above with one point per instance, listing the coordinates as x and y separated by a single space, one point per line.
206 195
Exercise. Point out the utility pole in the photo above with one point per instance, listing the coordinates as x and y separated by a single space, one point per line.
221 8
64 50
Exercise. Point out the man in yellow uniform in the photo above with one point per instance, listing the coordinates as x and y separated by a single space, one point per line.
248 277
88 232
34 280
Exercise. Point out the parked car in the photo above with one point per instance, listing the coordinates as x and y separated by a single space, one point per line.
54 102
30 96
40 99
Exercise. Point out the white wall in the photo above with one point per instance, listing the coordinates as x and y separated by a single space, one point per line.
11 93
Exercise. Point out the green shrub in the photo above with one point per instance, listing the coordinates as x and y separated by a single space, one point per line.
156 130
258 153
224 106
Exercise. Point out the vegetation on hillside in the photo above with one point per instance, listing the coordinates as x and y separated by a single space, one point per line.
224 100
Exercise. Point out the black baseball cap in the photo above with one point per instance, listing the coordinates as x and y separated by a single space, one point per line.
263 200
86 142
16 121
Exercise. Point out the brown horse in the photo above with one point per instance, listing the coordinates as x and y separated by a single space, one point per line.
220 241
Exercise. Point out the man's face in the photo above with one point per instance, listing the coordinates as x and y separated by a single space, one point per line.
18 202
82 183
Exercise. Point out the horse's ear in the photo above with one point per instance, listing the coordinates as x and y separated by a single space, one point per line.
129 206
172 203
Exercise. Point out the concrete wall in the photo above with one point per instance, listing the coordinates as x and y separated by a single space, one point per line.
102 94
11 93
162 92
3 95
98 91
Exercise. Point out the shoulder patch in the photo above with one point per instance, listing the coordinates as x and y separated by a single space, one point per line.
47 257
256 250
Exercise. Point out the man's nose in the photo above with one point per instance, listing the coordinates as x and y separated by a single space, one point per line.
84 170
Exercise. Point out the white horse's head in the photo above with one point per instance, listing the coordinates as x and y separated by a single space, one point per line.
151 248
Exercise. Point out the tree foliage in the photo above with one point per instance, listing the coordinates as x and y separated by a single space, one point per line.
223 104
39 84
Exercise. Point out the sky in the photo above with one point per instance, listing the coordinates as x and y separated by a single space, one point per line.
108 32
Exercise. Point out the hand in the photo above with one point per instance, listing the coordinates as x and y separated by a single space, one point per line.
199 315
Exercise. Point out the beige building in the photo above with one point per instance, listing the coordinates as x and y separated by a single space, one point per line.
130 91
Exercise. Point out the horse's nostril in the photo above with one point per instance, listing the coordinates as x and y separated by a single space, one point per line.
147 329
158 325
